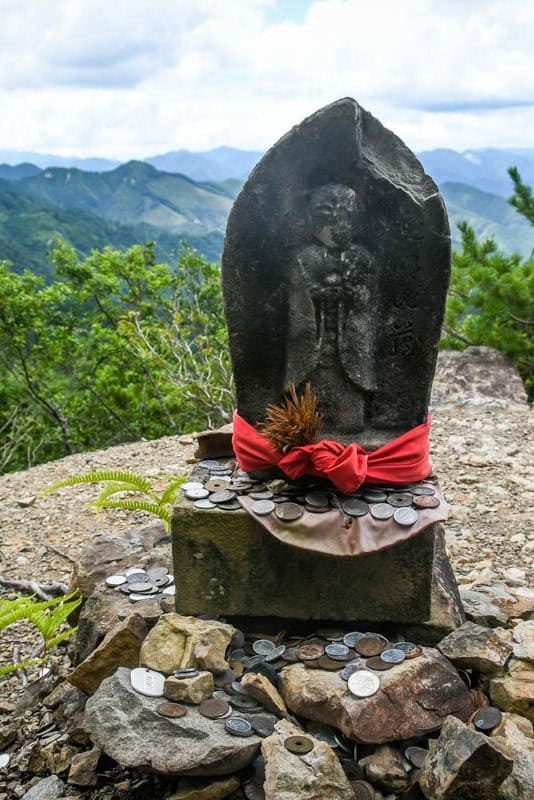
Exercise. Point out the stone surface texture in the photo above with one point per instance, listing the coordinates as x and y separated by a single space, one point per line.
178 641
463 764
46 789
496 603
201 790
478 376
315 776
190 690
343 232
516 741
515 691
120 648
474 647
413 698
127 727
261 688
83 767
385 769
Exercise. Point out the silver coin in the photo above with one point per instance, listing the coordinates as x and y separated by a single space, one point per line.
141 587
400 499
147 682
278 652
205 504
405 516
288 512
354 507
231 505
137 577
131 570
238 688
262 507
363 683
406 647
392 656
253 661
262 647
421 491
115 580
237 726
135 597
243 702
266 495
209 463
197 494
158 572
222 497
351 667
220 694
336 650
382 511
186 672
351 638
169 591
374 496
238 655
191 485
317 499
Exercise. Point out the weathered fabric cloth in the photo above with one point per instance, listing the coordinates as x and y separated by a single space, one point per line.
405 459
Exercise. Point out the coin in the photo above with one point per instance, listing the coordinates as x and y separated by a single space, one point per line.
237 688
382 511
354 507
423 491
299 745
143 587
288 512
266 495
191 486
131 570
169 591
487 718
115 580
290 655
263 724
147 682
374 496
275 654
157 572
317 509
337 651
186 672
392 656
225 496
253 661
363 683
350 668
262 507
216 485
5 758
317 500
405 516
376 663
137 577
243 702
416 756
310 652
205 504
263 647
351 638
135 597
369 646
426 501
213 709
406 647
238 726
172 710
331 634
197 494
363 790
331 664
400 499
414 653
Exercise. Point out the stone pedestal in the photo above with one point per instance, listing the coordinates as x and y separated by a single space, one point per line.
226 564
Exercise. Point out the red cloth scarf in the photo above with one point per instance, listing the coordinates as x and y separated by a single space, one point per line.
403 460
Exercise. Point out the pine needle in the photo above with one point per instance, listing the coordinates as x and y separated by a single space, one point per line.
293 423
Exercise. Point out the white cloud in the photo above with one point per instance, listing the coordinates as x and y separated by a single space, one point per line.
132 77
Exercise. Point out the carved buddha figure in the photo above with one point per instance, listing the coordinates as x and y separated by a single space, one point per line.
332 302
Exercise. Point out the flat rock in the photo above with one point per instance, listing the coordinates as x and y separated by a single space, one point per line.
515 691
414 698
177 641
516 742
384 769
261 688
315 776
477 376
128 728
494 604
120 648
472 646
189 690
83 768
47 789
463 764
200 790
523 641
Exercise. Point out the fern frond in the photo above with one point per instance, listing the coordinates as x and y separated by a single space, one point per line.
60 638
136 482
10 668
27 608
113 488
169 495
140 505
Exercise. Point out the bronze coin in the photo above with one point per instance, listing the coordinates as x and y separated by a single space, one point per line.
299 745
363 790
172 710
325 662
376 663
213 709
310 652
288 512
414 653
425 501
216 485
370 646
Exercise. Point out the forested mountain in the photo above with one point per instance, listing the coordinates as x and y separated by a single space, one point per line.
211 165
14 173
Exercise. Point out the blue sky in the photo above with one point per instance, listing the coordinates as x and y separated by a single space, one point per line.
136 77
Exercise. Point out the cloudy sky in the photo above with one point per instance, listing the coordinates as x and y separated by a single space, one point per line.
127 78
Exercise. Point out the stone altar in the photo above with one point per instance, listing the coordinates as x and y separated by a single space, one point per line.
335 271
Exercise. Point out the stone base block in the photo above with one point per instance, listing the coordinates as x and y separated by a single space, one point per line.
226 564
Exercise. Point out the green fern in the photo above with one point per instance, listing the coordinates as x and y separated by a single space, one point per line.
160 510
136 483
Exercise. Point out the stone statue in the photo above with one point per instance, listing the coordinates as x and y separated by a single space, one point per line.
332 300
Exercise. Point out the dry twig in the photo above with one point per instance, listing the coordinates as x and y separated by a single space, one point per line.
46 591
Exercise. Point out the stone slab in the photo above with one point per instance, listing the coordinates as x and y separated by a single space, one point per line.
227 564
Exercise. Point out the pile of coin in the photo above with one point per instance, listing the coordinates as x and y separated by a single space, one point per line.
220 485
140 584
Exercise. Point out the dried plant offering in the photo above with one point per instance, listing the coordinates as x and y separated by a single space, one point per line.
293 423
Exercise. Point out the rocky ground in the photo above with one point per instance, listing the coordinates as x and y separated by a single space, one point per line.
482 456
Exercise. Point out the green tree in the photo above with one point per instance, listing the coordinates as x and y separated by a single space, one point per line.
117 349
491 297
